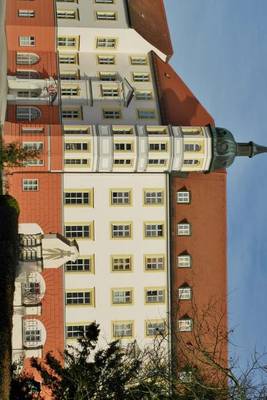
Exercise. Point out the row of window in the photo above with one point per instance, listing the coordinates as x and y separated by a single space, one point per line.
29 113
125 329
120 230
121 296
74 14
124 230
69 41
124 263
23 58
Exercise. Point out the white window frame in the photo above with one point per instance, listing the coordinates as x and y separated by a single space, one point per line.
146 114
105 60
141 77
79 297
185 324
67 14
79 231
79 198
27 113
32 333
111 114
27 41
67 41
26 58
106 43
155 328
154 197
39 146
30 185
138 60
106 16
184 229
76 331
183 197
191 147
184 261
26 13
184 293
82 264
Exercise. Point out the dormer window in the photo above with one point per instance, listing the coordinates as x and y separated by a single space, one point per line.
184 229
184 260
185 324
183 196
184 292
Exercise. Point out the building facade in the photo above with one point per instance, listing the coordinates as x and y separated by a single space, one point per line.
90 87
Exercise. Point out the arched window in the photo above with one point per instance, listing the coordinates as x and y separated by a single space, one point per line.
24 113
27 58
34 333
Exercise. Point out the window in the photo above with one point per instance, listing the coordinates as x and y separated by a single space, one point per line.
67 14
110 91
184 292
156 130
122 329
70 75
185 376
32 333
154 328
154 263
154 295
76 331
121 231
191 162
141 77
118 146
138 60
109 43
70 91
74 113
183 196
79 231
109 60
192 147
154 230
104 1
84 198
108 76
68 58
26 58
84 264
122 130
76 130
185 324
184 261
143 95
153 197
24 113
27 94
26 13
106 15
183 229
157 161
27 74
111 114
146 114
121 263
26 41
33 162
121 198
30 185
33 130
122 296
76 146
67 41
158 147
122 162
33 146
81 297
72 162
191 131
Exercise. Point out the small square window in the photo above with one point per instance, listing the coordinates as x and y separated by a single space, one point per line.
184 261
185 324
30 185
183 196
184 292
183 229
26 41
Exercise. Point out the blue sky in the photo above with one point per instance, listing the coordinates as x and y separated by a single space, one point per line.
220 50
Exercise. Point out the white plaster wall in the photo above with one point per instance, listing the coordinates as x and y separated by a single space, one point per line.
103 247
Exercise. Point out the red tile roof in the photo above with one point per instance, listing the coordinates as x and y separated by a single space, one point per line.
178 104
148 18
